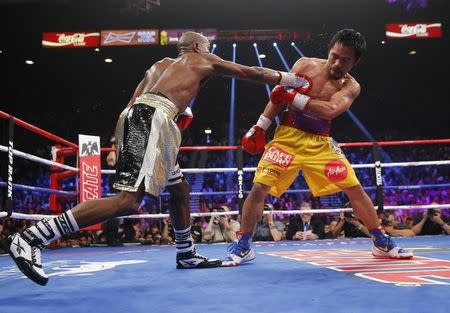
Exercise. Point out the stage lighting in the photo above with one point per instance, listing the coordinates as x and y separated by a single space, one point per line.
29 62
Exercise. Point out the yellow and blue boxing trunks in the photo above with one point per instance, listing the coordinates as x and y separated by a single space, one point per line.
324 166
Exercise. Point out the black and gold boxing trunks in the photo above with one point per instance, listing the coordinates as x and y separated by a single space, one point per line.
147 144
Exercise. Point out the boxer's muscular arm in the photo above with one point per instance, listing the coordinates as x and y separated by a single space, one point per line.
220 67
338 103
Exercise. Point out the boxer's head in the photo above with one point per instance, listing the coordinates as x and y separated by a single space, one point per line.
193 42
344 51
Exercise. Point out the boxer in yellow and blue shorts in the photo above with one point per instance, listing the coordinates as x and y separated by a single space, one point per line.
302 143
324 166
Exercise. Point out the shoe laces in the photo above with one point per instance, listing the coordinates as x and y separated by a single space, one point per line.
36 256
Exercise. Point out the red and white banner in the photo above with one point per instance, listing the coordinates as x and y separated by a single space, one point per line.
414 30
89 164
71 40
130 37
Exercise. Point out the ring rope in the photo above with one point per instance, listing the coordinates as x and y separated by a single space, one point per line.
41 189
218 169
253 169
289 212
37 159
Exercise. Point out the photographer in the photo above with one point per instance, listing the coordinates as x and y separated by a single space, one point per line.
393 227
267 229
221 228
351 226
433 224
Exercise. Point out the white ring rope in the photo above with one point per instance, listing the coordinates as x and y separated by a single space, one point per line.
288 212
253 169
218 169
37 159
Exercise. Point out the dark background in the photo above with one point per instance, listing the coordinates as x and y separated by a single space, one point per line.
71 91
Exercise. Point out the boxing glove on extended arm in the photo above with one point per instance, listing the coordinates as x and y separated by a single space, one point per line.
255 139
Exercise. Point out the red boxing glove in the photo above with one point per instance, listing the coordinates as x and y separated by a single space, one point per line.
254 140
184 119
280 96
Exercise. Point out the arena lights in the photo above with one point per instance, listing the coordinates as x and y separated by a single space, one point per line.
108 60
231 125
262 56
29 62
214 46
283 60
297 49
412 52
208 131
258 59
96 49
383 42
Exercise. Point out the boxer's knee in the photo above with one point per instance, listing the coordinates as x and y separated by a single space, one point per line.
259 191
180 191
127 203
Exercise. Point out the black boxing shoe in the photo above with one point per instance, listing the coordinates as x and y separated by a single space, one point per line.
27 258
192 259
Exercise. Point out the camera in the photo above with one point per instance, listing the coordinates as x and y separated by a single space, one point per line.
349 214
431 212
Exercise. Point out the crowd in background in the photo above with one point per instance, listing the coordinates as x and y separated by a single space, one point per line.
273 226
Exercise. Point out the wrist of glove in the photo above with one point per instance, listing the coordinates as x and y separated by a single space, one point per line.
281 96
184 119
301 83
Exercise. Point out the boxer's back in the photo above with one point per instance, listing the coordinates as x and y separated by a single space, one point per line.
179 79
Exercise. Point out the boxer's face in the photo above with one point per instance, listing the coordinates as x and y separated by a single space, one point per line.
340 61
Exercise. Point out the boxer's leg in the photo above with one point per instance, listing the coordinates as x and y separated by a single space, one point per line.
180 217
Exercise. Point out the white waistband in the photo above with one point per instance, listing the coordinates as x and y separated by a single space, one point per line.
159 102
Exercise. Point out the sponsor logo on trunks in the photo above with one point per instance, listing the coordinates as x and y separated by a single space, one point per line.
268 170
336 171
414 30
405 273
278 156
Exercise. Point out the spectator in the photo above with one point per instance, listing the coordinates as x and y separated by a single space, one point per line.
434 224
305 227
267 229
221 228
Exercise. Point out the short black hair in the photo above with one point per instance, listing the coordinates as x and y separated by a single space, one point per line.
350 38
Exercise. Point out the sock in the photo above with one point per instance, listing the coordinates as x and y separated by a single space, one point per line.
378 237
183 240
244 241
46 231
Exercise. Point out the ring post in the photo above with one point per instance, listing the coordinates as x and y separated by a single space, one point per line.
9 192
240 177
378 178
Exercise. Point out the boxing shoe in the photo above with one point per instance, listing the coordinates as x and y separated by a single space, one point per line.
238 254
192 259
27 257
385 247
